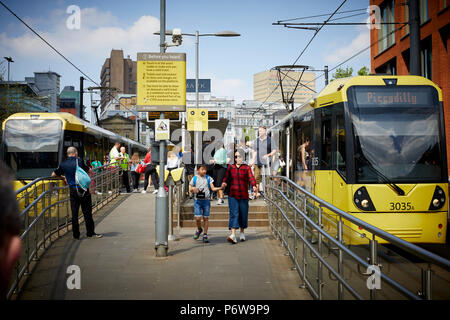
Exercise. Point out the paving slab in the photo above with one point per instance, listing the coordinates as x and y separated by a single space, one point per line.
123 265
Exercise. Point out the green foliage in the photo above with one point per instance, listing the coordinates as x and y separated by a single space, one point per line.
343 73
364 71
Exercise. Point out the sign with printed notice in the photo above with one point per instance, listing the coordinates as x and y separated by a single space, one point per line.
161 82
162 129
197 119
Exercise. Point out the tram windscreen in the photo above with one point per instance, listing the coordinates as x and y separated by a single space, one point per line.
31 147
397 134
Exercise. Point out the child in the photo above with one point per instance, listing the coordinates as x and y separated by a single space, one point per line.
201 186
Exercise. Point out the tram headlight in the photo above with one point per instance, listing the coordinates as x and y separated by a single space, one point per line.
438 200
362 200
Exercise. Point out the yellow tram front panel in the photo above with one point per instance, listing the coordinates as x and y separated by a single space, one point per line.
407 217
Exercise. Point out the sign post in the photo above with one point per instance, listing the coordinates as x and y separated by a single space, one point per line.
161 86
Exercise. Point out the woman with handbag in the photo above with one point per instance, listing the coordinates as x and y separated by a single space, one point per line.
135 171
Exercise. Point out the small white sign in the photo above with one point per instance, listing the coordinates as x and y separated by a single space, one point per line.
162 129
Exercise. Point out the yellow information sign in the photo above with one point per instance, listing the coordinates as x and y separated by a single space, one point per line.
197 119
161 82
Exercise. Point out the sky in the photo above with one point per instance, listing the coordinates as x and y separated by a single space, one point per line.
129 25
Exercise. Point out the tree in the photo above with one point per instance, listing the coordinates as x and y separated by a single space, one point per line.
341 73
364 71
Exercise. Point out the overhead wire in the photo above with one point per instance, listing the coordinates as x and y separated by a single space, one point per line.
65 58
321 15
301 53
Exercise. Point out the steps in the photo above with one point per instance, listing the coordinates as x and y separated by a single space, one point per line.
257 214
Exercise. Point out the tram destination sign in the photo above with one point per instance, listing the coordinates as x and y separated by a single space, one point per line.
161 81
398 97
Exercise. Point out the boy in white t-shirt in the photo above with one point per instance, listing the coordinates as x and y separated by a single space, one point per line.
201 186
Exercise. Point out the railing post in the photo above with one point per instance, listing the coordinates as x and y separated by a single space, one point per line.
429 283
36 224
319 266
57 209
27 223
340 259
373 261
170 236
42 207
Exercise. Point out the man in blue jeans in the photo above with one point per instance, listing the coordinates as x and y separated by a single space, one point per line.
77 195
201 186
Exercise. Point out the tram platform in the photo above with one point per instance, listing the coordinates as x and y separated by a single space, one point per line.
123 265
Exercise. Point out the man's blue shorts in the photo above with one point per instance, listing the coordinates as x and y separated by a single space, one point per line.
202 208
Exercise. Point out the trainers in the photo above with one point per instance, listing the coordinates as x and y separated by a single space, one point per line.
232 238
198 233
95 236
220 201
155 192
205 238
143 191
242 237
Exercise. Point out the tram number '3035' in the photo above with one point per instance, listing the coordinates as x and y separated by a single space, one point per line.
399 206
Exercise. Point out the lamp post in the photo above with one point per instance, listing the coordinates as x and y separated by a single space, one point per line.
9 59
197 134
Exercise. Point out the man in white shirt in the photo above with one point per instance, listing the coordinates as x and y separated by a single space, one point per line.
114 154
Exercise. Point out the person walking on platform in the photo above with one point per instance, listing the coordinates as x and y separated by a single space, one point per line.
201 186
150 170
77 195
219 169
11 224
114 154
263 150
124 163
189 163
135 176
239 176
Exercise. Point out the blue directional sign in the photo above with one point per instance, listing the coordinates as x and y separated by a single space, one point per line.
204 85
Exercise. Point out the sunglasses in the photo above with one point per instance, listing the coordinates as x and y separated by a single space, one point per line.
237 156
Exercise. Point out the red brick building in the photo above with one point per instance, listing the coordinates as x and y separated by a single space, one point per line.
390 52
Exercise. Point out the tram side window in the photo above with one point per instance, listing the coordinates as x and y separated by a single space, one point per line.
340 142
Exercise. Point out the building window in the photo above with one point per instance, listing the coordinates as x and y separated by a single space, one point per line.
423 7
406 29
386 35
389 67
425 58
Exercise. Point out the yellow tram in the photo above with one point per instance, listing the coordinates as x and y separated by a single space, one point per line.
33 144
374 146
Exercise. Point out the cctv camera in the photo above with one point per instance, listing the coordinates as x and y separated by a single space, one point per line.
177 38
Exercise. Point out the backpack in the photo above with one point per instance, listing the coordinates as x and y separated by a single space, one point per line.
208 181
82 179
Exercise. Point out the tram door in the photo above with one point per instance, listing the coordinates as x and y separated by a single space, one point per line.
322 160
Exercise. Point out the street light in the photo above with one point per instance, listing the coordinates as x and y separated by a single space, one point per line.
9 59
225 33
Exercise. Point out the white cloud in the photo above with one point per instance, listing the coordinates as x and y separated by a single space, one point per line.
99 34
345 51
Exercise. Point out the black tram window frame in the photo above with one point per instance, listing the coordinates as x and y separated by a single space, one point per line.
351 148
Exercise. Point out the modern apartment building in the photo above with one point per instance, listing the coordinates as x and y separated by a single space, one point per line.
119 75
264 84
47 85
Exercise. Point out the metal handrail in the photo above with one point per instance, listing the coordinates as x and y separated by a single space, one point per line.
338 243
411 248
342 247
46 203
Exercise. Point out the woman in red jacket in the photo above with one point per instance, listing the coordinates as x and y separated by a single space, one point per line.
239 175
150 169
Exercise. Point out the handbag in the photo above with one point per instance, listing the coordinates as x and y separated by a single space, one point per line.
140 168
82 179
